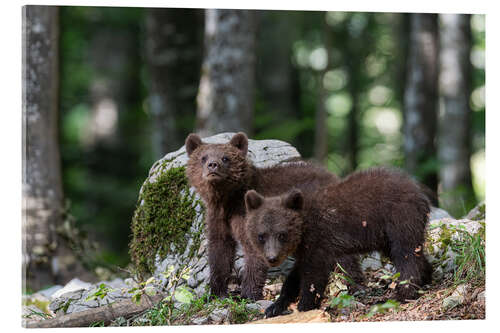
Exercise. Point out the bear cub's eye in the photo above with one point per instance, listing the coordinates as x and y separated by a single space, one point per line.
204 159
282 237
261 238
225 159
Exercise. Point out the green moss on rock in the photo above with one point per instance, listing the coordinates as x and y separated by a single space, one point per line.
162 220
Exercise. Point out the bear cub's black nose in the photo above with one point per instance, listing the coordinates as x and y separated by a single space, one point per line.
272 260
213 165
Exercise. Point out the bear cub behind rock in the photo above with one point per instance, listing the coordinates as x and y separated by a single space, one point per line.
377 209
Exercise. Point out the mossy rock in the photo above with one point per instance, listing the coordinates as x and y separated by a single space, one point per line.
163 218
167 226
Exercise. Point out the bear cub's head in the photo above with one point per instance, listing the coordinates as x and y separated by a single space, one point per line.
274 224
217 163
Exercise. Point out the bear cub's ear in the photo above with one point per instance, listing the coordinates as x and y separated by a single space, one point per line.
240 141
253 200
294 200
193 141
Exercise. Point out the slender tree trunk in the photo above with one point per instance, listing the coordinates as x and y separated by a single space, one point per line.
354 88
173 52
454 136
321 132
402 31
420 113
275 72
226 92
42 183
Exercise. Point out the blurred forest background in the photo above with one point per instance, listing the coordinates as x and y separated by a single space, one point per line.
108 91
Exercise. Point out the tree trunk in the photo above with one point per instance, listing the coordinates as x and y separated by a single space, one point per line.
276 77
321 132
42 183
226 92
454 136
173 53
420 112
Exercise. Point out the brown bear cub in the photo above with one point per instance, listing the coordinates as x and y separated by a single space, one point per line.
377 209
221 174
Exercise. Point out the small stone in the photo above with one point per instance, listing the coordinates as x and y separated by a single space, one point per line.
273 289
371 262
438 213
481 296
200 321
460 290
477 213
264 303
130 283
219 315
451 302
437 274
73 285
253 307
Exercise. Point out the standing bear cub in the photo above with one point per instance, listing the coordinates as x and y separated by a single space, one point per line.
377 209
221 174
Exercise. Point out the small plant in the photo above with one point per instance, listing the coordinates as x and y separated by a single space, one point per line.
393 278
101 292
344 275
383 308
342 301
470 260
143 288
238 311
98 324
34 313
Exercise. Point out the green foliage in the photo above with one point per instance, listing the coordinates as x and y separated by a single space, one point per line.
98 324
344 275
101 291
165 313
102 179
42 305
383 308
143 287
342 301
34 314
471 256
162 220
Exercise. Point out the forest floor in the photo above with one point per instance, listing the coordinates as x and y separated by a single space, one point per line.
375 304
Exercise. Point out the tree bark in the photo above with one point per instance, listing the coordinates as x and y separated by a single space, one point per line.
226 92
420 99
173 53
321 132
454 132
42 183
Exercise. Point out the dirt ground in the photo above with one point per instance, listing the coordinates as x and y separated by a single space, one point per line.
429 306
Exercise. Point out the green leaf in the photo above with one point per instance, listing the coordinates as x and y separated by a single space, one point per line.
390 304
136 298
183 295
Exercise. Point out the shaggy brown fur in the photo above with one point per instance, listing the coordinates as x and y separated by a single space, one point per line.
221 175
377 209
